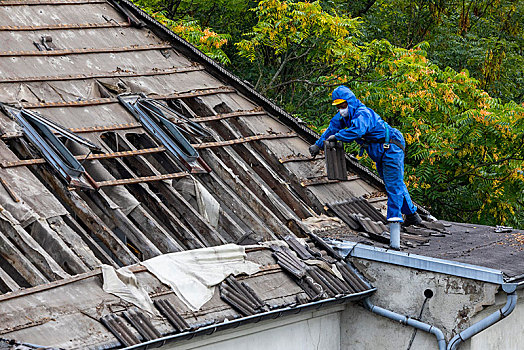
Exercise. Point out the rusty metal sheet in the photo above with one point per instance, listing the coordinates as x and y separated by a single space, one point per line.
13 67
78 39
44 15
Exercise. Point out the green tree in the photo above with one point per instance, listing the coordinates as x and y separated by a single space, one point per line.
465 150
205 39
293 44
486 37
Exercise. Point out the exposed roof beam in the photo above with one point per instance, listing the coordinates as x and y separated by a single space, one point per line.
26 162
65 52
117 74
243 140
126 126
20 262
66 26
83 212
8 281
142 179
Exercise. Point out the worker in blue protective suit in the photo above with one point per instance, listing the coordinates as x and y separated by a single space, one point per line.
384 144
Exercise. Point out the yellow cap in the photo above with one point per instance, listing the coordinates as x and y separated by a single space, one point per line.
338 101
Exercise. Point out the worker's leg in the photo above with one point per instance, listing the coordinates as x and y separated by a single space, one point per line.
399 201
407 205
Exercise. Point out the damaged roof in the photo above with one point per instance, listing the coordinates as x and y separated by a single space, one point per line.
135 196
121 142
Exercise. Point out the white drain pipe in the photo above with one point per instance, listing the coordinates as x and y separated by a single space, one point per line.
394 234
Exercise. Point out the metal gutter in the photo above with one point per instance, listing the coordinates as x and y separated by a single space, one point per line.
208 330
441 340
420 262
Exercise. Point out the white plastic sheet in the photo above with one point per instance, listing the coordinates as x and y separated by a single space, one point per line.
123 284
193 274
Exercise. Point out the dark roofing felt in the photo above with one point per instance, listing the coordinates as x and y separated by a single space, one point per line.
467 243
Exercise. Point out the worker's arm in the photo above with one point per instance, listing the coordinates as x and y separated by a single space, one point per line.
333 128
360 124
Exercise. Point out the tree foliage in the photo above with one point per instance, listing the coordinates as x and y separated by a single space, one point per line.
293 38
483 36
464 125
205 39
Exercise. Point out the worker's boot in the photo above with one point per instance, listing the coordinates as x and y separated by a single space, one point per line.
413 219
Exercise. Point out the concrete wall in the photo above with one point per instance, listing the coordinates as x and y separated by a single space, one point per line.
317 330
506 334
456 304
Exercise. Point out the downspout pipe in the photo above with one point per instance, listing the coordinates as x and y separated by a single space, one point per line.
485 322
407 321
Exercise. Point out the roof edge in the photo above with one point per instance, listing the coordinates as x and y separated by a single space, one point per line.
208 330
420 262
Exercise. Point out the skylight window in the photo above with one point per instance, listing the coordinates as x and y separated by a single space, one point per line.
41 133
155 117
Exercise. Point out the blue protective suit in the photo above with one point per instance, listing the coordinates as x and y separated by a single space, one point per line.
361 125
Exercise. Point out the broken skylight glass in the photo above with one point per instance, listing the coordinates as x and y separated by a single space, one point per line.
41 133
155 117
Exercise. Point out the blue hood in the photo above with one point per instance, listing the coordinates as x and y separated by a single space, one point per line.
343 92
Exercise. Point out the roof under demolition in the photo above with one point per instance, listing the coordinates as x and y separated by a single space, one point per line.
121 142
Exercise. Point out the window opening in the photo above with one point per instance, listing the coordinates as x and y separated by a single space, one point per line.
41 133
154 117
184 124
198 107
